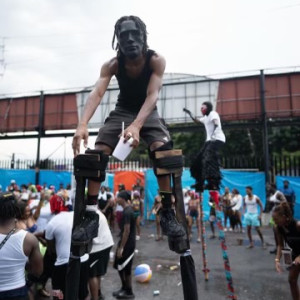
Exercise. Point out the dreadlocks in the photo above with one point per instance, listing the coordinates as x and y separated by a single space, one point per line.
7 207
140 25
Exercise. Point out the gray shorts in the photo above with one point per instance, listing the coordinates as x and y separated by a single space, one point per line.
154 129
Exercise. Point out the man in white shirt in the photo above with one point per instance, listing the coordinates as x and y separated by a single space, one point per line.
58 236
206 166
99 257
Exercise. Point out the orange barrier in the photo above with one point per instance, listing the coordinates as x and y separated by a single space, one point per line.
128 178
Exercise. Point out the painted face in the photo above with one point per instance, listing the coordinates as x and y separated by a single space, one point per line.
130 39
203 109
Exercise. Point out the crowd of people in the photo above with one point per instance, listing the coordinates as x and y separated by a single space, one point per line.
47 215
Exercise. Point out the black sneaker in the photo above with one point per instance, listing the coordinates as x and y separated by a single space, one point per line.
116 293
169 223
125 295
274 251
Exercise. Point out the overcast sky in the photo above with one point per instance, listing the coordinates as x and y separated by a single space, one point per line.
61 44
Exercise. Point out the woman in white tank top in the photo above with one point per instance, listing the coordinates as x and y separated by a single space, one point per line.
16 248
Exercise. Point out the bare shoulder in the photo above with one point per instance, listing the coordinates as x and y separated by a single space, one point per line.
157 62
110 67
30 242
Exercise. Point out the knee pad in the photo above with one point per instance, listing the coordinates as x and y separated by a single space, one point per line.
91 165
166 160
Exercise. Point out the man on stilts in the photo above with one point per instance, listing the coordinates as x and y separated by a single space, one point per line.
206 167
139 72
206 171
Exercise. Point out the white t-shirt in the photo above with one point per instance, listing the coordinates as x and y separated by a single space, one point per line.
45 216
60 230
251 204
102 196
186 201
118 206
104 238
238 201
210 125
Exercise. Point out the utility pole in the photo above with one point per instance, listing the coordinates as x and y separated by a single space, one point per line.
40 134
264 125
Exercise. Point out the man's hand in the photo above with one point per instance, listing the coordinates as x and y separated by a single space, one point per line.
132 131
119 252
188 112
80 134
297 260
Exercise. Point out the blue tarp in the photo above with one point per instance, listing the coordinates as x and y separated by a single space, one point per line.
295 184
50 177
20 176
231 179
28 176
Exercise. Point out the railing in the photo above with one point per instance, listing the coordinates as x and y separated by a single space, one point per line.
288 165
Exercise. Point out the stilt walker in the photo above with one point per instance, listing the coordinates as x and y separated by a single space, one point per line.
203 240
231 295
206 171
139 73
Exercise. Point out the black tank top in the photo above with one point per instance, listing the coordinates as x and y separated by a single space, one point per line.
291 236
133 91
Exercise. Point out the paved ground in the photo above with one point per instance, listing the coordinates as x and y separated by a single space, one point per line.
254 276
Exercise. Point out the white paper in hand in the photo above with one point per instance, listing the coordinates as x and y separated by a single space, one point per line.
123 149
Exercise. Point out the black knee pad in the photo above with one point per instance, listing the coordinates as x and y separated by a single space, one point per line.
91 165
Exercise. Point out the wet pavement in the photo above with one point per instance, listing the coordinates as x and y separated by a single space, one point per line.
253 271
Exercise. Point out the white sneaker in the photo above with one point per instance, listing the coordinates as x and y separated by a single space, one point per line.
230 229
137 238
225 229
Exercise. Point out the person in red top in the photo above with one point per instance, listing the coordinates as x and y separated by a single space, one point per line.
59 203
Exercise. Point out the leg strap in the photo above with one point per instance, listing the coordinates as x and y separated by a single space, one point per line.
91 165
166 161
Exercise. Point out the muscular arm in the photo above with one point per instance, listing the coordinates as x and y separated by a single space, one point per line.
192 116
94 99
258 201
280 243
37 212
32 250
